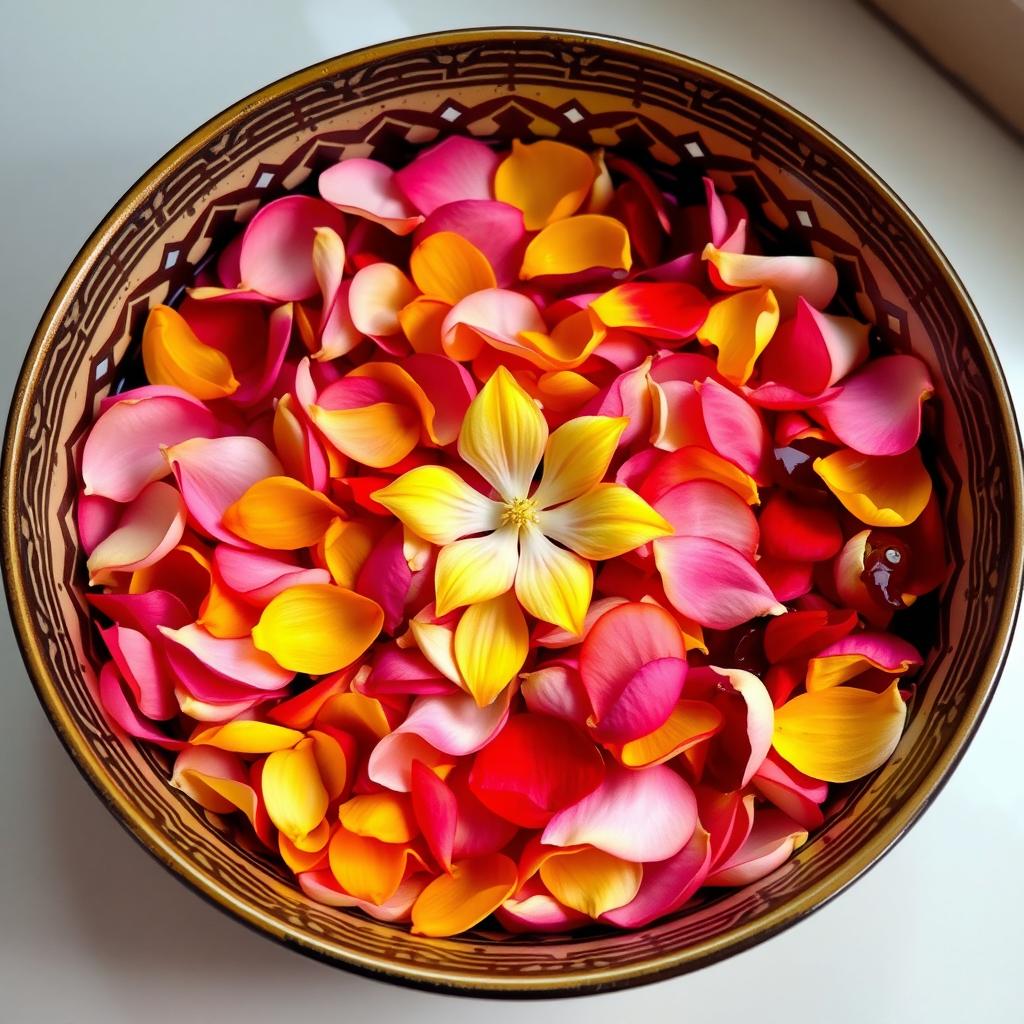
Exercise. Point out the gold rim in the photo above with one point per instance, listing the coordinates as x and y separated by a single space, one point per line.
705 952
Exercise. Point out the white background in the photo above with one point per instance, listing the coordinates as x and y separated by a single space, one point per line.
92 929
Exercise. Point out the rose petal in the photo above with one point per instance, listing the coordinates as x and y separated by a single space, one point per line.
436 813
740 327
455 902
884 490
851 657
591 881
771 843
705 508
454 169
546 180
174 356
670 311
491 644
368 188
789 277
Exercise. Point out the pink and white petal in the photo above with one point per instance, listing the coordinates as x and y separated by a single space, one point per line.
557 690
376 295
789 277
878 409
712 583
705 508
547 635
143 670
96 518
792 792
367 188
534 909
398 671
260 576
237 659
735 428
641 816
455 169
772 841
124 449
495 316
741 745
150 527
276 254
213 473
118 705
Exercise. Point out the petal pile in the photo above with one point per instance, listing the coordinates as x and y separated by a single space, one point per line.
503 540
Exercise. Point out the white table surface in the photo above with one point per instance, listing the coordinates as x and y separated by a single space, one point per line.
91 928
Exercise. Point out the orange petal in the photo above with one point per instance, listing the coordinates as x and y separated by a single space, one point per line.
880 490
454 903
377 435
575 244
446 266
591 881
569 345
421 322
317 627
361 716
173 355
293 793
388 817
346 547
691 722
546 180
367 868
282 513
248 737
224 614
740 327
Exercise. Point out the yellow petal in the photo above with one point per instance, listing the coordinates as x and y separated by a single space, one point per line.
840 734
591 881
293 793
447 266
740 327
282 513
476 569
569 345
564 390
577 457
367 868
604 523
455 902
224 614
331 762
173 355
289 437
503 435
553 584
317 628
576 244
248 737
357 714
438 504
691 722
437 644
880 490
346 547
603 190
377 435
491 644
546 180
421 323
385 816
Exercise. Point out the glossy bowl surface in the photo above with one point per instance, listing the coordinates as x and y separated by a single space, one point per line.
669 111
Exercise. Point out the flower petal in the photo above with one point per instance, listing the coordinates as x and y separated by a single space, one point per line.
878 409
690 722
367 868
317 628
697 464
388 817
491 644
646 702
436 813
258 576
802 634
368 189
706 508
577 457
552 584
604 523
853 656
173 355
641 816
792 792
438 505
124 448
556 690
293 793
214 473
377 293
789 277
116 702
448 267
772 841
456 902
735 428
840 734
670 311
477 569
534 767
454 169
496 317
244 737
591 881
149 529
799 531
740 327
546 180
576 244
280 512
880 490
276 255
712 583
237 659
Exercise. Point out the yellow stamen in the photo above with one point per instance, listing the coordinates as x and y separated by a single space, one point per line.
519 512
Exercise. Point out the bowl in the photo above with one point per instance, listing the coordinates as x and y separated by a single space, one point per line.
514 83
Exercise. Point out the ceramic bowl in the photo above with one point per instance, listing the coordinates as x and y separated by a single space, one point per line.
671 112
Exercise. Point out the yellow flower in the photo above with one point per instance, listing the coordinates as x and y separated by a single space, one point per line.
490 546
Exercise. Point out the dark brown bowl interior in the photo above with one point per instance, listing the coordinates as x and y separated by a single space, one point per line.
675 114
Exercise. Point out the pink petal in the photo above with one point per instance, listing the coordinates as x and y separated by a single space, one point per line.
386 577
322 887
727 220
646 815
237 659
338 332
454 169
276 255
678 416
534 909
208 695
666 885
547 635
712 583
449 387
878 409
260 576
619 645
376 295
96 519
436 813
790 277
496 229
213 474
495 315
257 385
628 395
124 449
704 508
770 844
397 671
143 612
645 703
368 189
792 792
150 527
852 656
557 690
117 704
143 670
735 428
786 579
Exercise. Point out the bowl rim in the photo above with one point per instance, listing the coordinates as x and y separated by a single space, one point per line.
738 937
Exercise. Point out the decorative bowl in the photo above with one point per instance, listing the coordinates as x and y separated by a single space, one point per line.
669 110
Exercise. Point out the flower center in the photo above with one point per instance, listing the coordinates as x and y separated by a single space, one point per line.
519 512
